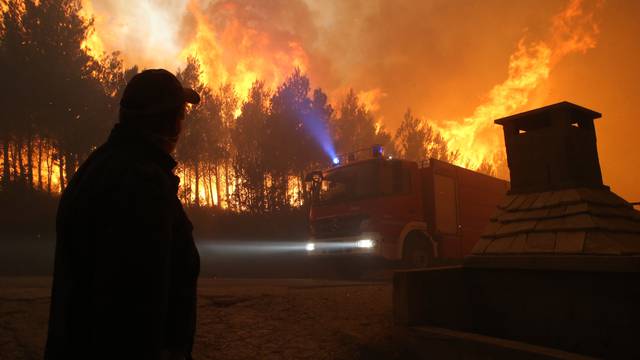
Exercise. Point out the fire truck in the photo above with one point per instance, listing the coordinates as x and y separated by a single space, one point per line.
415 214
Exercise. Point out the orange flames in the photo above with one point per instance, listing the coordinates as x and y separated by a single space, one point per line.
371 98
232 49
237 54
217 34
92 44
573 30
45 168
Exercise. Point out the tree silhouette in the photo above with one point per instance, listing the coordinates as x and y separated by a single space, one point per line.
14 84
290 141
228 100
59 103
251 149
355 128
54 95
201 140
417 141
411 138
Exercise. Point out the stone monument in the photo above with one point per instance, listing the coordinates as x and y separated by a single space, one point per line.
555 274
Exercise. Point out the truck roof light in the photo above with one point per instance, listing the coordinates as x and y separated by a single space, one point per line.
378 150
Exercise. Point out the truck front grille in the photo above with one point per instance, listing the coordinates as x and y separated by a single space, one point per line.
337 226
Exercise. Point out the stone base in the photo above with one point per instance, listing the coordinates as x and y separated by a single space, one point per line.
593 313
427 342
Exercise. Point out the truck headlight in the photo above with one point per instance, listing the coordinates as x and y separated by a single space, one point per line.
366 243
310 247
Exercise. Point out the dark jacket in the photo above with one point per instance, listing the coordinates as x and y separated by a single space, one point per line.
126 266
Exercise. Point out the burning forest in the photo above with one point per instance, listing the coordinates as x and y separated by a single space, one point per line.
239 179
263 123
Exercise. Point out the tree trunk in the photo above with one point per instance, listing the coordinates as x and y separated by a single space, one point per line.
49 169
61 170
218 186
186 186
204 185
40 164
237 191
301 189
210 183
6 166
29 174
208 187
20 162
197 187
226 184
265 192
14 161
206 177
181 190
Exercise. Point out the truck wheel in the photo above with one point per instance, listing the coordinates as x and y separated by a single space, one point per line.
417 251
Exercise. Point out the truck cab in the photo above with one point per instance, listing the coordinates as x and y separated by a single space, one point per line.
362 207
400 210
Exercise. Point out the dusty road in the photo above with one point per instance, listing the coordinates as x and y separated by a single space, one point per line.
239 319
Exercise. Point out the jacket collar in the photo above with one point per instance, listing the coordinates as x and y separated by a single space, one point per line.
140 142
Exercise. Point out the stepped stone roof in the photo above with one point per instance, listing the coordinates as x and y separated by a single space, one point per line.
532 117
580 221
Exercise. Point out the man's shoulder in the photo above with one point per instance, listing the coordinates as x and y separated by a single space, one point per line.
138 171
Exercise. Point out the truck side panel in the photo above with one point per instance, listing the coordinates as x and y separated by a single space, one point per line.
458 205
478 196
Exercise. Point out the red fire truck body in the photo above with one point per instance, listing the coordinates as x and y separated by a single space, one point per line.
398 210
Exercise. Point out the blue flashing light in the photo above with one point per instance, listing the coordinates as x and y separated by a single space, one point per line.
378 150
319 131
336 160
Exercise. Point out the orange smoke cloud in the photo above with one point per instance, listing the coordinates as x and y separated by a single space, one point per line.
144 31
229 38
343 45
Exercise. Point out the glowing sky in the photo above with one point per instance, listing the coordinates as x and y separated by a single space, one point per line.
441 58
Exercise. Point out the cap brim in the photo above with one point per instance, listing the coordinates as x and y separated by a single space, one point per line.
190 96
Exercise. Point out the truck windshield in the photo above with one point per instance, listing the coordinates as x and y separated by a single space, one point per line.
351 182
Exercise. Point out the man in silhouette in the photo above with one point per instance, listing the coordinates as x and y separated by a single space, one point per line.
124 284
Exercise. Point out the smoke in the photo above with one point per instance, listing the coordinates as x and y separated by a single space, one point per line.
146 32
432 56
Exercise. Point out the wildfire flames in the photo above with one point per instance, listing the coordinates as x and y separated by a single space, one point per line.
573 30
229 50
224 37
235 46
236 54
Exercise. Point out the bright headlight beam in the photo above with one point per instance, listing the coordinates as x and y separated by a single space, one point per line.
366 243
311 246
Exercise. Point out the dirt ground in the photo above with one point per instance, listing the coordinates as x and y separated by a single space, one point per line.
239 319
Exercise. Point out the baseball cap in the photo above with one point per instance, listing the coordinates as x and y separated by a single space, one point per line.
155 91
